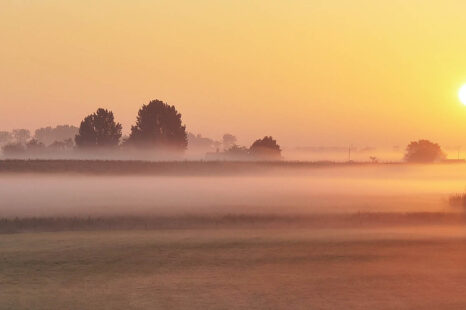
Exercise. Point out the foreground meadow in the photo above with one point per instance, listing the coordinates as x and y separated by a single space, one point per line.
418 267
105 235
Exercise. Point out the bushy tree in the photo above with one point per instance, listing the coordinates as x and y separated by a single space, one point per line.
266 148
99 130
159 125
423 151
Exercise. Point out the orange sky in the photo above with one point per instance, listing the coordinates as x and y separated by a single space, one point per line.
321 72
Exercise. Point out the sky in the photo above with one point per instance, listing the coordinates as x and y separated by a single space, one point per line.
309 73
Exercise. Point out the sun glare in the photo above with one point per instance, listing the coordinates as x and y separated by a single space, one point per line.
462 94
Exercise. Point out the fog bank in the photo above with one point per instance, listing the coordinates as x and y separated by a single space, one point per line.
380 188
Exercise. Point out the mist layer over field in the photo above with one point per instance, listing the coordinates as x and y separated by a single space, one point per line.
347 189
232 236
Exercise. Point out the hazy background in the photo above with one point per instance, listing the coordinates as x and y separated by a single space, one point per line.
326 73
379 188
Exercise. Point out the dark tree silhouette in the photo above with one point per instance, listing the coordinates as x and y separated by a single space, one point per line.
228 141
99 130
423 151
266 148
159 125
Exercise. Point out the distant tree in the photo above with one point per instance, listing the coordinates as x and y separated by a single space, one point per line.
13 149
5 137
199 142
34 147
217 145
423 151
266 148
59 146
99 130
159 125
237 152
34 143
48 135
228 141
21 135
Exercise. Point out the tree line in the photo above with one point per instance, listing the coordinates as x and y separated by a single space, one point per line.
158 128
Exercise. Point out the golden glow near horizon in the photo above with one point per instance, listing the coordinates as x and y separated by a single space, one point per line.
462 94
333 72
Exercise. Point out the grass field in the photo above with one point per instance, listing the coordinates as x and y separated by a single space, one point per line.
225 235
253 268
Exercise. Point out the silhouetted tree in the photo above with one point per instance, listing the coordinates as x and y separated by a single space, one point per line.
99 130
228 141
266 148
159 125
21 135
423 151
48 135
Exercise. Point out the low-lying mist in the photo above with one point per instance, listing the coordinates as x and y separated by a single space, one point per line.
342 189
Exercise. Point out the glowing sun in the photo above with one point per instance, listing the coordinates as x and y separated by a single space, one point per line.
462 94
